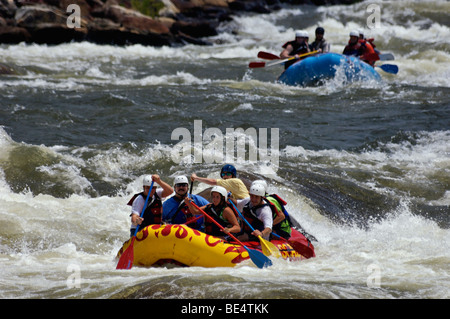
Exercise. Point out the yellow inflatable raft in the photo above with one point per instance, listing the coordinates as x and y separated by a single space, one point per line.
180 244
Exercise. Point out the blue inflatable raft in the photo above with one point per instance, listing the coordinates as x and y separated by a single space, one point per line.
315 70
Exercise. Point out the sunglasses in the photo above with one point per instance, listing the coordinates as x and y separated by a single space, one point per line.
226 174
181 185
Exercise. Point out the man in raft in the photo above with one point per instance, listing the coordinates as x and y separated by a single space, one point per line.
228 180
296 47
361 49
281 220
320 44
257 213
153 211
175 210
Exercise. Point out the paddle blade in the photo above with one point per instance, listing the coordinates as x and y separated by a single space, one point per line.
268 248
306 250
258 258
386 56
253 65
126 259
389 68
267 56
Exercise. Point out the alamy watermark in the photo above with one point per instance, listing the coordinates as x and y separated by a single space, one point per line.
374 276
74 279
235 145
373 21
74 20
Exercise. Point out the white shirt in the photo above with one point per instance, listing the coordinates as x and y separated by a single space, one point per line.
139 202
264 214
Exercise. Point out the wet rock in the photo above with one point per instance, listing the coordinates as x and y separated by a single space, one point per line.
47 24
14 35
117 22
6 69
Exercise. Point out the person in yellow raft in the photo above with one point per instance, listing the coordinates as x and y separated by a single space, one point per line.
281 219
228 180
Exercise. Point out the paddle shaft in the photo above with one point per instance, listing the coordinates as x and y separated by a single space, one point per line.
264 64
292 58
143 208
240 215
217 224
267 247
126 260
271 56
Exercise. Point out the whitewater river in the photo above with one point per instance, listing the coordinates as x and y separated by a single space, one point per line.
364 167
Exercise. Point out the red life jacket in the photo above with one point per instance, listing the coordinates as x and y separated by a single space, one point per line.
369 55
187 213
153 212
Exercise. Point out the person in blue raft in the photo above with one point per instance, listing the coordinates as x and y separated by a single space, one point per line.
175 210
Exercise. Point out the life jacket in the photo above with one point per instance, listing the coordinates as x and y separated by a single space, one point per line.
369 55
298 48
184 212
354 49
322 44
250 215
277 204
370 40
153 211
216 212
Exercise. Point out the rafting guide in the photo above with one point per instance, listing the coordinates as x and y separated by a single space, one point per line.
212 146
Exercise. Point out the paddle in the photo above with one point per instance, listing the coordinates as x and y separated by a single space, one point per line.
305 250
126 259
267 247
267 56
389 68
257 257
253 65
270 56
386 56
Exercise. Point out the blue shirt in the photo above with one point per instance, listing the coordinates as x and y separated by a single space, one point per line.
171 212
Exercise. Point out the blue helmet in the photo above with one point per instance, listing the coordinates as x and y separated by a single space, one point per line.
228 168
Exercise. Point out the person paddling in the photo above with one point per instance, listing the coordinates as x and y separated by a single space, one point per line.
281 219
153 211
175 211
296 47
320 44
228 180
360 49
220 212
257 212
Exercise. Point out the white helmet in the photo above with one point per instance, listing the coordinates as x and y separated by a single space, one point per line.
257 189
301 34
261 182
180 180
354 33
221 190
147 181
